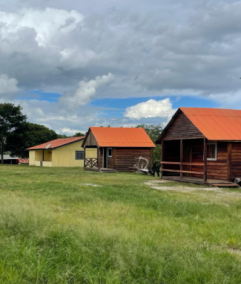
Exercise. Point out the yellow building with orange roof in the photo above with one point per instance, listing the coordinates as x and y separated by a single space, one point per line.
62 152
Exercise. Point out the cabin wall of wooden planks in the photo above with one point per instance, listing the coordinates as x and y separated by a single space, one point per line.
236 160
182 128
215 169
218 169
126 157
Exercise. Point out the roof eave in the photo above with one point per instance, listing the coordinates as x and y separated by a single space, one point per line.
126 146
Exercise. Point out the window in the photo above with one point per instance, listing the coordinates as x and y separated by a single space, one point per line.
79 155
109 152
212 151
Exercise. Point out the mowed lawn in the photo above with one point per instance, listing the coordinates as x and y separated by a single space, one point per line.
66 225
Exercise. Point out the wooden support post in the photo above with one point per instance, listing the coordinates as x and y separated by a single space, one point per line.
113 157
181 158
229 161
151 157
84 158
190 157
205 159
162 157
98 157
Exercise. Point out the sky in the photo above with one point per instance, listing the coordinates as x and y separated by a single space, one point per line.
76 64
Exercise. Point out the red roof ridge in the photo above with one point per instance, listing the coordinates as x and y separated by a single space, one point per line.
211 111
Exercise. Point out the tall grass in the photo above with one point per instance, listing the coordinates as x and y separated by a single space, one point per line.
54 228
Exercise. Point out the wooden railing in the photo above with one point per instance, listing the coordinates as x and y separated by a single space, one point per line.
91 163
183 171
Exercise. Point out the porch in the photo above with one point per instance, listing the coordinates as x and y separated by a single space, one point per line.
184 159
196 161
102 163
91 164
42 158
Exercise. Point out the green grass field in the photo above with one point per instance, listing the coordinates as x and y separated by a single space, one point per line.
56 227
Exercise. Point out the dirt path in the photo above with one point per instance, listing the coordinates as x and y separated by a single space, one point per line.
163 186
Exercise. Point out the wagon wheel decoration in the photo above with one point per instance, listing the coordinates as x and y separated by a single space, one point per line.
141 165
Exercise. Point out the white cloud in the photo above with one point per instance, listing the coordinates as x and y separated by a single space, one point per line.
86 91
60 120
8 85
184 48
69 131
227 100
151 108
46 22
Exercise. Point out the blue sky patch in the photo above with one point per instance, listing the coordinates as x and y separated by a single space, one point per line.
41 96
117 107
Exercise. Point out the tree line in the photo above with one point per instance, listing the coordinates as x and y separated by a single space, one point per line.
153 131
17 134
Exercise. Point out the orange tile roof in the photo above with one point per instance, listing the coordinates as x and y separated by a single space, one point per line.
56 143
121 137
216 124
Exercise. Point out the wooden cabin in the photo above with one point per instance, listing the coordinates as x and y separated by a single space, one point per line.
117 148
202 145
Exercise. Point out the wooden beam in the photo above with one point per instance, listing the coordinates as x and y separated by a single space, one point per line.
151 157
162 157
205 159
190 156
84 158
181 158
113 157
229 162
186 172
191 138
98 156
184 164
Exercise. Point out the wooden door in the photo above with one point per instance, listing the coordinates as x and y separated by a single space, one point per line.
105 158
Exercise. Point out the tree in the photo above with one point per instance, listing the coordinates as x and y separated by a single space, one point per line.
11 119
29 135
62 136
153 131
78 134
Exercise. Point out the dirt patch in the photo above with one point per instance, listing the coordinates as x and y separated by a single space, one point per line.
90 184
234 251
160 185
229 250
